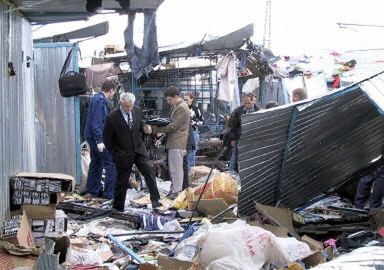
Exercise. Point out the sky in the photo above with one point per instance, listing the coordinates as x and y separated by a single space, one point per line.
298 26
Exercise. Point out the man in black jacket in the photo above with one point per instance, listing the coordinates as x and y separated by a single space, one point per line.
248 106
122 136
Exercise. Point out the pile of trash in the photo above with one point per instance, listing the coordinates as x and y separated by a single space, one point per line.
199 229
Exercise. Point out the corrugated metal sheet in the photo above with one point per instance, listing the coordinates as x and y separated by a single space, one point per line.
17 135
291 154
70 10
57 118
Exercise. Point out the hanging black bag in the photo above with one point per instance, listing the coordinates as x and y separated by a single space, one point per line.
71 83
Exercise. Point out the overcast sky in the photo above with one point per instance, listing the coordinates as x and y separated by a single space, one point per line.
298 26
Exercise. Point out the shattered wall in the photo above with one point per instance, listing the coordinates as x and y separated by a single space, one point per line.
293 153
17 134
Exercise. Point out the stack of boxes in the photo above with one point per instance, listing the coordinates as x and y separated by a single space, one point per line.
36 196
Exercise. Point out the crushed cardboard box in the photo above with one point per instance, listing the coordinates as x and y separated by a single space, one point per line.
213 207
166 263
23 237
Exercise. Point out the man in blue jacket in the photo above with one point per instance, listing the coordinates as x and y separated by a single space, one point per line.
100 157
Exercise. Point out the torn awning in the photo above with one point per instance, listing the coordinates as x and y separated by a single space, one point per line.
53 11
293 153
96 30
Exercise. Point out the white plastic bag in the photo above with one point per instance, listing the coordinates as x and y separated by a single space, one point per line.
85 161
83 256
241 246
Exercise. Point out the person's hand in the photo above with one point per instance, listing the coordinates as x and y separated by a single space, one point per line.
100 147
233 143
147 129
158 143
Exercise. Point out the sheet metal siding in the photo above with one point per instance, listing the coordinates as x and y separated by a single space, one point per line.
55 115
331 138
16 103
260 154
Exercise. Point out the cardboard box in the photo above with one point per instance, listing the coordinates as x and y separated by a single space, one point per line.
166 263
40 212
280 216
77 242
40 237
10 262
23 237
67 181
57 224
212 207
312 243
20 197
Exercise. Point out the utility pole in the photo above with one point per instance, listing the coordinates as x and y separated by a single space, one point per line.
346 25
267 24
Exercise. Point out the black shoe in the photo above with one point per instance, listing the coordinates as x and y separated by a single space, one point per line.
156 204
118 209
172 196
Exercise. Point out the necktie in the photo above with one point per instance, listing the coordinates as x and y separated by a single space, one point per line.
130 122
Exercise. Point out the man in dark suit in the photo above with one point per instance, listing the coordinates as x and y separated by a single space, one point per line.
122 136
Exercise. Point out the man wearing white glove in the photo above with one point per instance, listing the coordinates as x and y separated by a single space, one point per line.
100 157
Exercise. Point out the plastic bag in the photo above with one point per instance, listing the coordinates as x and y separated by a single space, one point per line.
85 161
221 186
83 256
181 201
196 173
241 246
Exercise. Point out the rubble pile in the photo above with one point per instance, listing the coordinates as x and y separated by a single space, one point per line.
91 235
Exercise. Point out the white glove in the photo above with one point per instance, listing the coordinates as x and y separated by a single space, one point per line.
158 143
100 147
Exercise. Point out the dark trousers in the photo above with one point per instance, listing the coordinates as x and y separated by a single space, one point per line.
233 163
123 175
100 160
376 179
186 174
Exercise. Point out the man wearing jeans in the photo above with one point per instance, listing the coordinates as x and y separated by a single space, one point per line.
373 181
196 121
100 157
177 136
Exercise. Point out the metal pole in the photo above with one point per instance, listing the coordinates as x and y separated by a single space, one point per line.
205 184
127 250
147 232
223 212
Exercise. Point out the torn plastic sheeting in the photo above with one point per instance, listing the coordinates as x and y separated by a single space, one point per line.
163 186
131 195
142 60
173 226
365 258
102 227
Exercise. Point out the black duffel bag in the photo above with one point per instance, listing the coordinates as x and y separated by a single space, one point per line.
71 83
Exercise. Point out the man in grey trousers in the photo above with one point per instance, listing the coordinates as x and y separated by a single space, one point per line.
177 136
